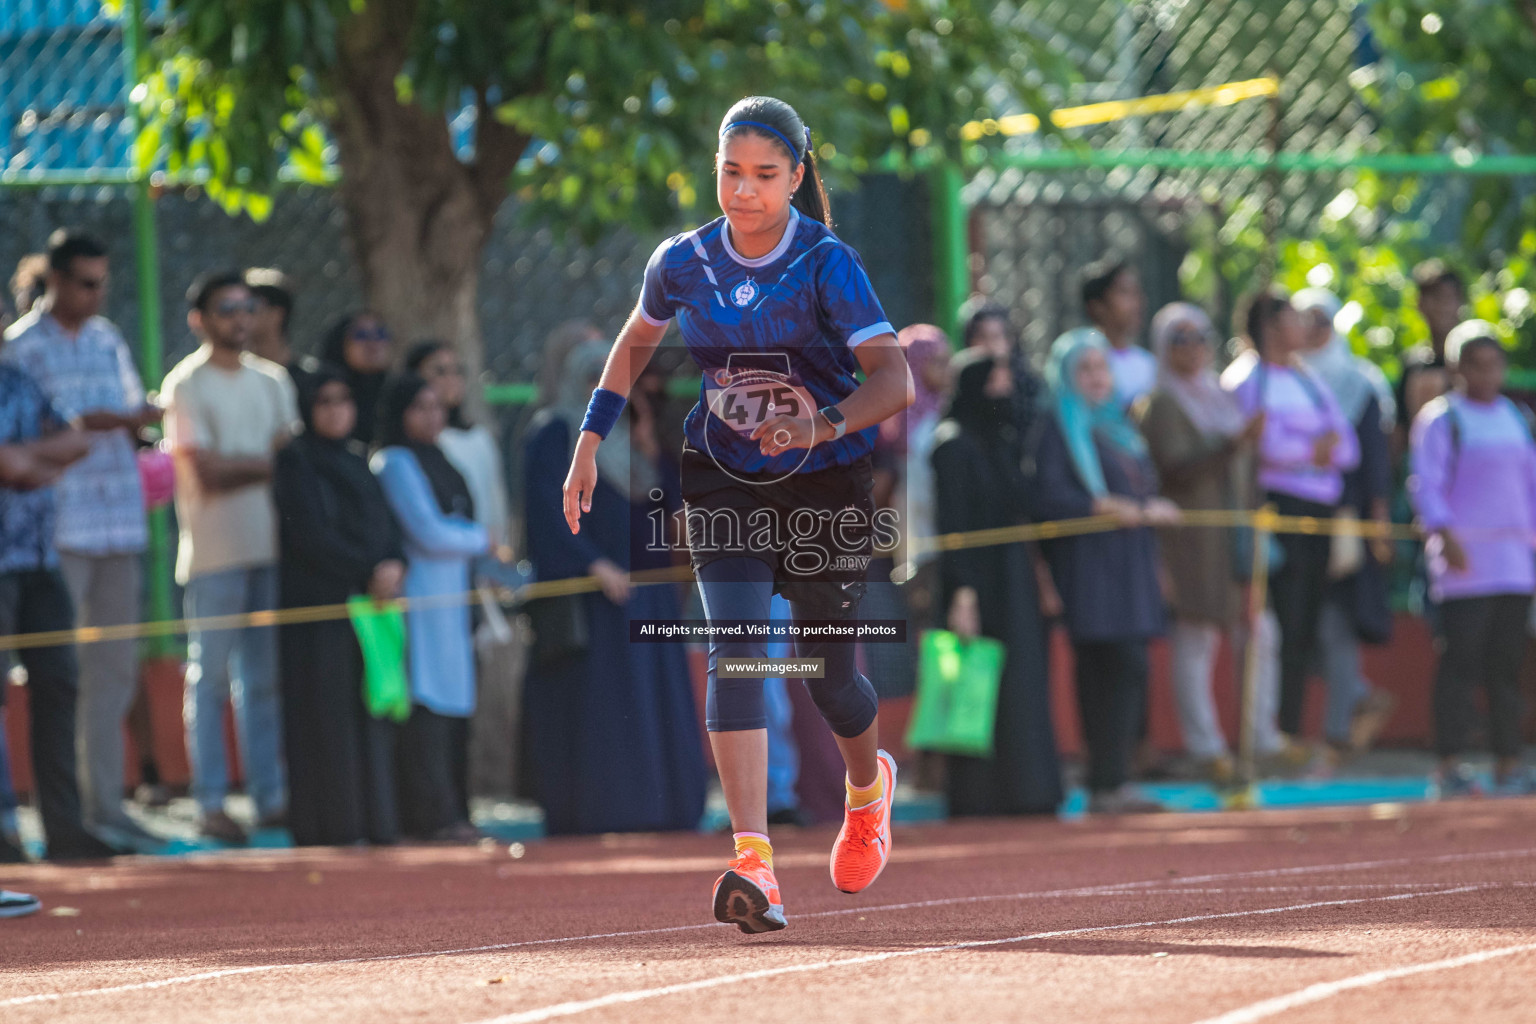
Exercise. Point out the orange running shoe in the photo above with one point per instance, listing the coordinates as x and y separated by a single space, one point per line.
747 895
864 844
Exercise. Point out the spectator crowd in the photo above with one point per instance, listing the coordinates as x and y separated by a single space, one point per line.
359 472
1295 421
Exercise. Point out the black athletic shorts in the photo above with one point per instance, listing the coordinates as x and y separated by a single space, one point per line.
816 530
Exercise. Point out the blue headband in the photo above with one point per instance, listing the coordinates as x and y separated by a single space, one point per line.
770 129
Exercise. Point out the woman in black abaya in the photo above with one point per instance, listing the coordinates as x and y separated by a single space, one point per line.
338 538
979 464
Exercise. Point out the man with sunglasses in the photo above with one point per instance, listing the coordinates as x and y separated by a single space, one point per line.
227 413
80 360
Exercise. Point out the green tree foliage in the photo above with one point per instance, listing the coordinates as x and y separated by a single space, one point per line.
1461 77
611 107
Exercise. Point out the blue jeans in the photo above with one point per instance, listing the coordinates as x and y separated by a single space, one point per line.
252 654
1338 650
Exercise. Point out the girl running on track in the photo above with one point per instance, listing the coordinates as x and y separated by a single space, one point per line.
779 315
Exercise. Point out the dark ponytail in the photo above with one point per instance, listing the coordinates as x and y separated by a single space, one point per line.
811 197
776 120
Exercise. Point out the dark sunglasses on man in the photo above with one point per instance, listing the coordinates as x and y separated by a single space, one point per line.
230 307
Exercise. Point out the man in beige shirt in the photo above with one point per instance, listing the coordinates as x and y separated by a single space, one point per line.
227 413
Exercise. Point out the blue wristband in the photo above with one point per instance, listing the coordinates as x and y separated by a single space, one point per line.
603 411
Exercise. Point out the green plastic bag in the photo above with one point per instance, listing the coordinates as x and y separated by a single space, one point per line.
381 635
956 707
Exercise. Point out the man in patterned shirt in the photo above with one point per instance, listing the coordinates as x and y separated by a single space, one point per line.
36 444
83 365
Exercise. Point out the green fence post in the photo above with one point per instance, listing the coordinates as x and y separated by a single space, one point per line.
151 351
951 246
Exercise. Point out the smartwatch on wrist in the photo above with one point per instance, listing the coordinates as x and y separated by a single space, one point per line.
839 424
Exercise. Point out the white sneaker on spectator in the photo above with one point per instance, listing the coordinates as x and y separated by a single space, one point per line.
1125 800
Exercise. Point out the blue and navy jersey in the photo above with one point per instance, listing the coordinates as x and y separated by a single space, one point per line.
796 314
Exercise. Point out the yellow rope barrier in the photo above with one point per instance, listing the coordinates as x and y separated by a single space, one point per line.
1223 95
1050 530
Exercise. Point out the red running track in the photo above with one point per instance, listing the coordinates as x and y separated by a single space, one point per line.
1390 913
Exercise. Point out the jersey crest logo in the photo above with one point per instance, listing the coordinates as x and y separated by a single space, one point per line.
744 294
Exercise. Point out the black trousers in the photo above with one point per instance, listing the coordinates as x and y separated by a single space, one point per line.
1481 642
433 766
341 768
1296 594
1111 697
38 601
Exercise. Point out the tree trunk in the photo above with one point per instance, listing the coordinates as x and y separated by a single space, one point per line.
421 290
417 215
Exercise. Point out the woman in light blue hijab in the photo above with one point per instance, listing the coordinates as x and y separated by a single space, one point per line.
1092 461
1082 417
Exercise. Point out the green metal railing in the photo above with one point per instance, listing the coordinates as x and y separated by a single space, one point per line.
151 338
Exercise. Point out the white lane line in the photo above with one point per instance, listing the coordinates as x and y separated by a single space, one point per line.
1326 989
1120 888
1359 865
1349 887
139 986
950 901
569 1009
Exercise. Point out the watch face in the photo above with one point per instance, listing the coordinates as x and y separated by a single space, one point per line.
832 414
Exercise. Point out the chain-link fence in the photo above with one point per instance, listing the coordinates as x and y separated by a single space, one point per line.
1204 200
62 87
529 280
1033 230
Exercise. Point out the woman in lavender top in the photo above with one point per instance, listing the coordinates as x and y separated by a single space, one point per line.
1473 483
1358 605
1306 446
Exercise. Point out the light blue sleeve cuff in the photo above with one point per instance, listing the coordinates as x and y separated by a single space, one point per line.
872 331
